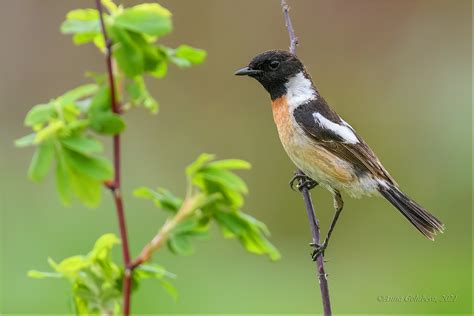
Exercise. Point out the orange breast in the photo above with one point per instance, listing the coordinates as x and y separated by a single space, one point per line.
282 120
314 160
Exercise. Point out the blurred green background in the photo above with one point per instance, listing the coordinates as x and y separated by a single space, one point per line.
398 71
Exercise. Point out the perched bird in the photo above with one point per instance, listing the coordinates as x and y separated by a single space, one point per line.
324 146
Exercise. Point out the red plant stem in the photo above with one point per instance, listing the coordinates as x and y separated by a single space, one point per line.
115 187
313 221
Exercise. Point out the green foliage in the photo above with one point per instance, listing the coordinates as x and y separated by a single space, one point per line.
65 129
96 280
134 32
62 132
221 199
146 18
65 134
163 198
157 272
41 161
186 56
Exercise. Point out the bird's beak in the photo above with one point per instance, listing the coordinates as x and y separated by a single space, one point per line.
246 71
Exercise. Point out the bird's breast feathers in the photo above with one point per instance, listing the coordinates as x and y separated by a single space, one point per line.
313 157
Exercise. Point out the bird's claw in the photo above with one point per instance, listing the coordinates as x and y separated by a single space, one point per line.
318 250
294 182
300 181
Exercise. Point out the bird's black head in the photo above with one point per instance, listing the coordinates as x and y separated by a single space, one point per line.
273 69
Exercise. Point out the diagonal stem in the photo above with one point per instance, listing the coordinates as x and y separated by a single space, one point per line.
115 186
313 221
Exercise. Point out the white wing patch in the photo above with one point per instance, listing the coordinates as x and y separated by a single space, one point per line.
299 90
344 131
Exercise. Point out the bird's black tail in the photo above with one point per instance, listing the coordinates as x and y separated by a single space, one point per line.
425 222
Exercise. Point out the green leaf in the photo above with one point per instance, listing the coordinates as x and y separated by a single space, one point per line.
258 244
25 141
144 193
107 123
78 93
155 271
77 125
139 94
230 197
250 232
81 21
135 90
180 62
151 56
152 270
100 42
53 264
195 166
253 222
230 164
148 18
180 244
97 168
63 178
103 246
41 162
96 280
101 101
70 266
42 275
39 114
186 227
224 178
82 144
49 131
87 189
193 55
110 5
160 70
170 289
128 54
84 38
231 222
70 113
161 197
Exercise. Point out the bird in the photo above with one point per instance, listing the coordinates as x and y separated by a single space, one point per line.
324 147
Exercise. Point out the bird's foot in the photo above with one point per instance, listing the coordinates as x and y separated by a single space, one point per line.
300 181
318 250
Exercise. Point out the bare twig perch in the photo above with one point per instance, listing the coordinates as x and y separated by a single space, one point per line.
313 221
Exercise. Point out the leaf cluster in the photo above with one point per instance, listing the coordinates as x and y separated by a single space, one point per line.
96 280
219 193
65 129
135 34
66 134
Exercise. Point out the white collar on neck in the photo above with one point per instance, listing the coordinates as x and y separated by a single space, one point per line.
299 90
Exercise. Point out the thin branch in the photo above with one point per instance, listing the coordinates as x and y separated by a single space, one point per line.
314 224
289 26
313 221
187 208
115 186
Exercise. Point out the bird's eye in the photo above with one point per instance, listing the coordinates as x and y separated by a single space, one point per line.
274 64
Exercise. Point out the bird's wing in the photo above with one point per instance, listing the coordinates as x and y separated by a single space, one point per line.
327 129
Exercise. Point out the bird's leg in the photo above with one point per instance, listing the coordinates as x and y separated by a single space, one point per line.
338 205
300 180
